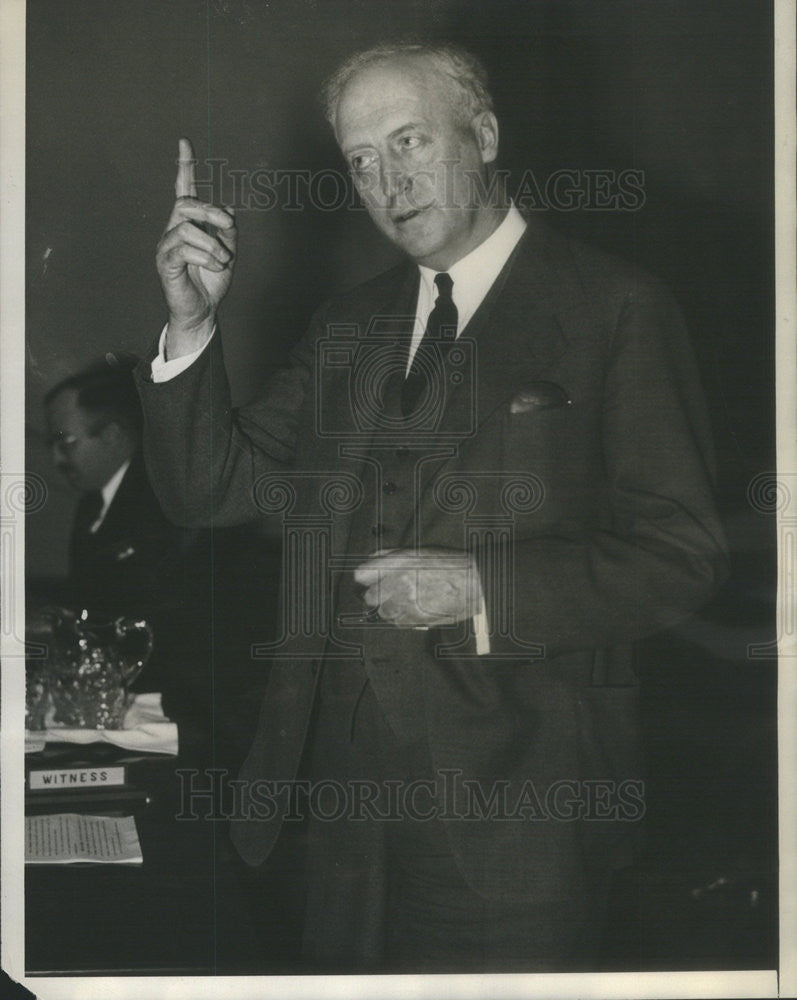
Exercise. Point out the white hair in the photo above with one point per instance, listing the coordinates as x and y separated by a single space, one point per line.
465 71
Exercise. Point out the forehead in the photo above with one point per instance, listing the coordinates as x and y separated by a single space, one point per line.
388 94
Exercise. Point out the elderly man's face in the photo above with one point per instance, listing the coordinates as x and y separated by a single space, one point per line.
415 161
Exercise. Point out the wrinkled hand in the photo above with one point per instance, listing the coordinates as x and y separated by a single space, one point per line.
421 587
195 259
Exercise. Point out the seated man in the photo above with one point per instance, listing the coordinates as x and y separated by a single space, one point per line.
121 544
125 557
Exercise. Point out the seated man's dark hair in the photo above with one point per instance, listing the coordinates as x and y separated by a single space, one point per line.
107 391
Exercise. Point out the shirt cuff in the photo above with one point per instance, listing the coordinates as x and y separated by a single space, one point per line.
481 630
163 370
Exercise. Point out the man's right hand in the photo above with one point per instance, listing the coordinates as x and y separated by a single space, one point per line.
195 260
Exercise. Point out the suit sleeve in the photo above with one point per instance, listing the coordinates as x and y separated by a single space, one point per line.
658 551
204 458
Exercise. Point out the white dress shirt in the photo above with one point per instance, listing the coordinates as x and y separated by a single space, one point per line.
472 275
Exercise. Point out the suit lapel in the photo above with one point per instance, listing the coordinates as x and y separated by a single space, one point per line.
518 332
388 322
523 327
129 493
383 348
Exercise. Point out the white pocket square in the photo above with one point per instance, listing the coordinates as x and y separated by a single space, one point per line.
539 396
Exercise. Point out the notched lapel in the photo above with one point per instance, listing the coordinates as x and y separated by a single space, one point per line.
516 333
354 358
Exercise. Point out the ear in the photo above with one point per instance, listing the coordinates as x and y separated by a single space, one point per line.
115 437
485 128
111 433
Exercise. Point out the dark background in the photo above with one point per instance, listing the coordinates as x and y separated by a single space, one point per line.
680 89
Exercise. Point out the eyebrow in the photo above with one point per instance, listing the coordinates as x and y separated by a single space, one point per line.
392 135
403 128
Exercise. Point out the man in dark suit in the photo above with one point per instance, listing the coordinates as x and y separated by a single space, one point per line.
125 557
120 538
494 467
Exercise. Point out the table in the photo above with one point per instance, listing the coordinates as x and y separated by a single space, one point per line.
183 911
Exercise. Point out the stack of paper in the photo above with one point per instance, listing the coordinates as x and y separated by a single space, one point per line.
66 838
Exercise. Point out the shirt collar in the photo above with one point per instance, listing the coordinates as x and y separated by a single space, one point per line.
110 489
474 274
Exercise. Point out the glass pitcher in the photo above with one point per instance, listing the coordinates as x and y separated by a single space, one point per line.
89 667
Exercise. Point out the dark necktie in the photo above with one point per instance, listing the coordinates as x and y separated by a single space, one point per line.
440 334
88 511
83 544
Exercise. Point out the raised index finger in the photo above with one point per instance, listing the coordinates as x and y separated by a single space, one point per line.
185 185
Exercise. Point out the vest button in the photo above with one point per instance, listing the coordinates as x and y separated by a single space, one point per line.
389 486
401 452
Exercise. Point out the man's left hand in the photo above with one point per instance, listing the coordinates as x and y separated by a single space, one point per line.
421 587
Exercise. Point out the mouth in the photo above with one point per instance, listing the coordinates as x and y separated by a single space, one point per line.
407 216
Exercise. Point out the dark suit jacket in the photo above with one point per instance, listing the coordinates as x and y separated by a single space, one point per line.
592 522
141 565
120 569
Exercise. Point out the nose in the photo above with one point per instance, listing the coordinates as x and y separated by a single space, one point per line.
60 456
392 180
